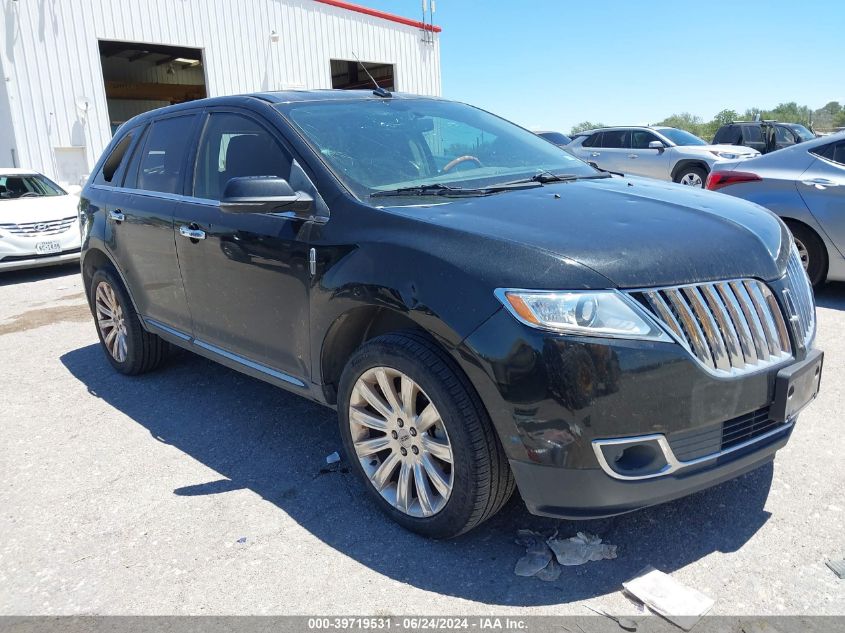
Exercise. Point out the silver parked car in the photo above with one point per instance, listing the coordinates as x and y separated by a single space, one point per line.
804 185
660 152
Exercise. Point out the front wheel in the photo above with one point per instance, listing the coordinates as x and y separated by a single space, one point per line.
812 252
691 177
416 432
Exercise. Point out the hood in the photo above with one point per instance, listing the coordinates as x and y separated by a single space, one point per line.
44 209
634 232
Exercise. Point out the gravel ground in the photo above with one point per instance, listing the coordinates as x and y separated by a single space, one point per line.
197 490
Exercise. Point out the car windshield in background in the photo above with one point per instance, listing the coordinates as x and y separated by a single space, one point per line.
803 133
555 137
13 186
681 137
424 145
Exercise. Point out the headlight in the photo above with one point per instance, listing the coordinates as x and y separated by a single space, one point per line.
728 155
589 313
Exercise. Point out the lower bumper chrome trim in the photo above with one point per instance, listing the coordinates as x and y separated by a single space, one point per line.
673 464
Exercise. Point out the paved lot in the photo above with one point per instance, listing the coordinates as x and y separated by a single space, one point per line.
131 496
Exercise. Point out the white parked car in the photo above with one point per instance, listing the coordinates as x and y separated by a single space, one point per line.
660 152
39 225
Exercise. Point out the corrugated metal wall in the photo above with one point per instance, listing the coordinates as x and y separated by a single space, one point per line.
50 58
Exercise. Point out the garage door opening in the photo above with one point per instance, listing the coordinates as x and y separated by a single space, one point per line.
349 75
141 77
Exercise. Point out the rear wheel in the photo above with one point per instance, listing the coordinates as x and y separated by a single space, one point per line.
692 176
812 251
416 432
128 346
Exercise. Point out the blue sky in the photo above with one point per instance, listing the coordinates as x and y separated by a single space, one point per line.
553 63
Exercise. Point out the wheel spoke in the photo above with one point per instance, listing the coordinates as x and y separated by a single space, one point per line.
121 348
437 449
437 479
373 399
381 476
109 336
107 323
365 419
423 490
102 309
427 418
115 346
409 396
387 389
368 447
403 488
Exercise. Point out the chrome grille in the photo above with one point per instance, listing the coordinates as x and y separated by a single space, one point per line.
730 327
799 295
37 229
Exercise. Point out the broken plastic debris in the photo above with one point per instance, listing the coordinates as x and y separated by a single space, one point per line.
626 623
333 458
664 595
837 567
580 549
545 555
537 553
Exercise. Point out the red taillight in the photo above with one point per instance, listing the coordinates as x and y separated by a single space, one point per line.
718 179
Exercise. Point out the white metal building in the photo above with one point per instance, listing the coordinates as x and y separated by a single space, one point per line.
73 70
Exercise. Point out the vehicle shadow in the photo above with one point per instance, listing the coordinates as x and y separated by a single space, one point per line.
831 295
274 443
37 274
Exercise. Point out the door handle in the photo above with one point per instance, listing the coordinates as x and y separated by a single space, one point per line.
633 156
191 234
819 182
595 154
117 215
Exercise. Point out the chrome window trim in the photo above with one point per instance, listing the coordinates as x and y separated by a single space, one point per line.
673 464
264 369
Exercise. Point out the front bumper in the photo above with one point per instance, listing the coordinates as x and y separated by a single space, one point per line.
18 251
550 396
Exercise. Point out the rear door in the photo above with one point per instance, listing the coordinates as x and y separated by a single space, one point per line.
822 186
615 147
752 136
784 137
655 163
139 230
247 276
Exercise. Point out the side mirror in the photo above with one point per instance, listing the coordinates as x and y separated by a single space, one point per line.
266 194
656 145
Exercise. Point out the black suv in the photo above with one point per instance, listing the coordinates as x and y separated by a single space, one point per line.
764 136
483 309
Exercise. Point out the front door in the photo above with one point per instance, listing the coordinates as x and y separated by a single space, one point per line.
822 187
645 161
247 275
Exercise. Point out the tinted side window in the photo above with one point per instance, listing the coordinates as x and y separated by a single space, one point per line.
783 135
115 159
591 140
614 139
834 152
234 146
641 138
729 134
162 159
752 134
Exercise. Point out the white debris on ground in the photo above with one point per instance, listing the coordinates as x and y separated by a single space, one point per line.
545 555
662 594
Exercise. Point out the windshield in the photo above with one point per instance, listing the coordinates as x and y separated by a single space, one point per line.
13 186
382 145
555 137
681 137
803 133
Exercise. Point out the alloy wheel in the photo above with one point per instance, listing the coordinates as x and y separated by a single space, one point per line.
401 442
691 179
803 253
111 321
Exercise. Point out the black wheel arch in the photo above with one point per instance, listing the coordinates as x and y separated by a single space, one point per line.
689 162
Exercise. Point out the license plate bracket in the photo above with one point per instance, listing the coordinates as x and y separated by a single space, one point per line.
48 248
796 386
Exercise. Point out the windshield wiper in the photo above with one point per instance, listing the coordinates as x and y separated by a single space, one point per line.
445 190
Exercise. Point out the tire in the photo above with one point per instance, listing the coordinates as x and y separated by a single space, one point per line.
812 251
140 350
478 475
692 176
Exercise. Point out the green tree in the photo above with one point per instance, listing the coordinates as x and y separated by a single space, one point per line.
585 125
724 117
